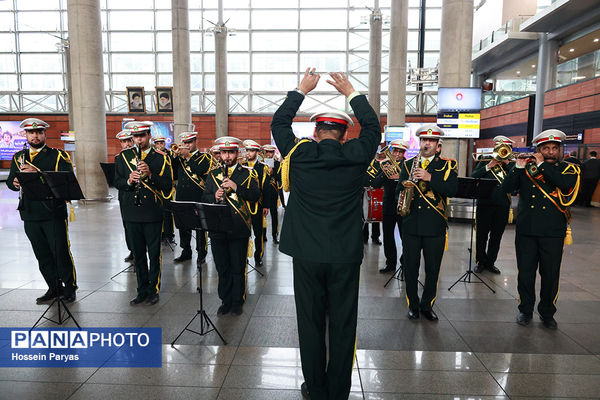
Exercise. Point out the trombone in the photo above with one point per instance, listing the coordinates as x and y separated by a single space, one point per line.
501 152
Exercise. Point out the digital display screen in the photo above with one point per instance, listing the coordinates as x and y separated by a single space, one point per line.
459 99
163 128
12 139
459 124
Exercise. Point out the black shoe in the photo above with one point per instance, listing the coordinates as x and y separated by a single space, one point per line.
129 258
68 297
304 391
430 315
200 261
386 270
377 241
550 323
492 268
236 310
413 314
137 300
478 269
275 240
183 257
265 239
153 299
49 295
224 309
258 264
523 319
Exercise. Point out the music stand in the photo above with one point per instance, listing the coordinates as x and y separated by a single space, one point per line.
473 188
109 173
212 218
52 185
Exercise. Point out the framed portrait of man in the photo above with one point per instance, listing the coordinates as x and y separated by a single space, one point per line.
164 99
136 100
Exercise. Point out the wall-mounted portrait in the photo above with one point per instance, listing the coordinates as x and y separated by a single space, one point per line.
135 99
164 99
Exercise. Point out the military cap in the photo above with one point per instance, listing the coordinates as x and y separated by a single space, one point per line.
332 117
399 144
251 145
124 134
549 135
159 138
228 143
269 147
431 131
33 123
185 136
503 140
138 127
215 149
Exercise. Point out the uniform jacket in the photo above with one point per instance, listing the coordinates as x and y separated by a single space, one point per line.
590 169
48 159
156 190
323 219
536 214
499 197
192 175
264 184
389 191
423 219
247 192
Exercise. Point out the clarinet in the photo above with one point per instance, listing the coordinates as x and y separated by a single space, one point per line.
22 164
138 185
225 169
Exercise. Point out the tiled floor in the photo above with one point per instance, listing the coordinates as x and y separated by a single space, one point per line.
475 351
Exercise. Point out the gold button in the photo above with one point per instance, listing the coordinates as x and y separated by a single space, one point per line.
533 186
532 206
419 206
543 207
533 195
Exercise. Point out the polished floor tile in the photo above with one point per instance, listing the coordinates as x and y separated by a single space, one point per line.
37 390
419 360
541 363
95 391
543 385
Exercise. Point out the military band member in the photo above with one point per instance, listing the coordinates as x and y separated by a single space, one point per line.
168 233
45 221
126 142
236 186
368 182
216 153
424 228
322 229
492 213
547 187
260 208
275 181
192 167
144 175
391 218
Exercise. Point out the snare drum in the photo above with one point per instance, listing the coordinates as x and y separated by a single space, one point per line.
373 205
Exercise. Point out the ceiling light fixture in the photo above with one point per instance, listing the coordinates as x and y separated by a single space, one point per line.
571 50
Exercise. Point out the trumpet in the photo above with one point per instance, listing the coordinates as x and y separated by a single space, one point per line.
389 165
501 152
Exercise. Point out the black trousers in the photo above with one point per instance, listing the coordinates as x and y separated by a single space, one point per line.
490 223
389 240
50 242
374 231
145 238
185 239
168 225
320 287
545 253
230 257
127 241
433 251
273 210
257 227
588 186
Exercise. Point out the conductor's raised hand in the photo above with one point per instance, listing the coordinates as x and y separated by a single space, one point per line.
309 81
341 83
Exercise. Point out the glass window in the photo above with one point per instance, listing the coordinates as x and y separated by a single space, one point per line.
274 62
326 4
209 62
358 62
239 41
274 19
7 21
165 80
261 82
195 19
45 82
238 82
139 4
196 62
313 103
163 4
37 4
360 81
132 62
39 103
323 41
41 62
414 16
433 18
133 41
195 41
358 41
323 19
8 63
121 81
323 62
7 42
38 21
131 20
163 20
165 62
8 82
359 18
266 103
431 60
196 81
274 41
238 62
269 3
6 5
412 41
238 19
432 40
209 82
37 42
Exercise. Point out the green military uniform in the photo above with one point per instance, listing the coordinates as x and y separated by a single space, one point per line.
541 226
144 222
391 218
491 215
424 228
191 176
45 221
256 209
230 250
322 232
368 182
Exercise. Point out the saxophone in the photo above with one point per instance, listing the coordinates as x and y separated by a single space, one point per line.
138 185
406 196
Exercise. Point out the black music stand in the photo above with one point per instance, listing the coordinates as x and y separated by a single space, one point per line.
473 188
212 218
109 173
52 185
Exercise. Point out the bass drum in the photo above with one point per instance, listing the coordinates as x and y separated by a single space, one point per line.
373 205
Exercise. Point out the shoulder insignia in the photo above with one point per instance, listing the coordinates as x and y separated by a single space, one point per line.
160 152
571 169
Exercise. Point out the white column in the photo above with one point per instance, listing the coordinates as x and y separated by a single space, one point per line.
182 107
398 47
221 96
